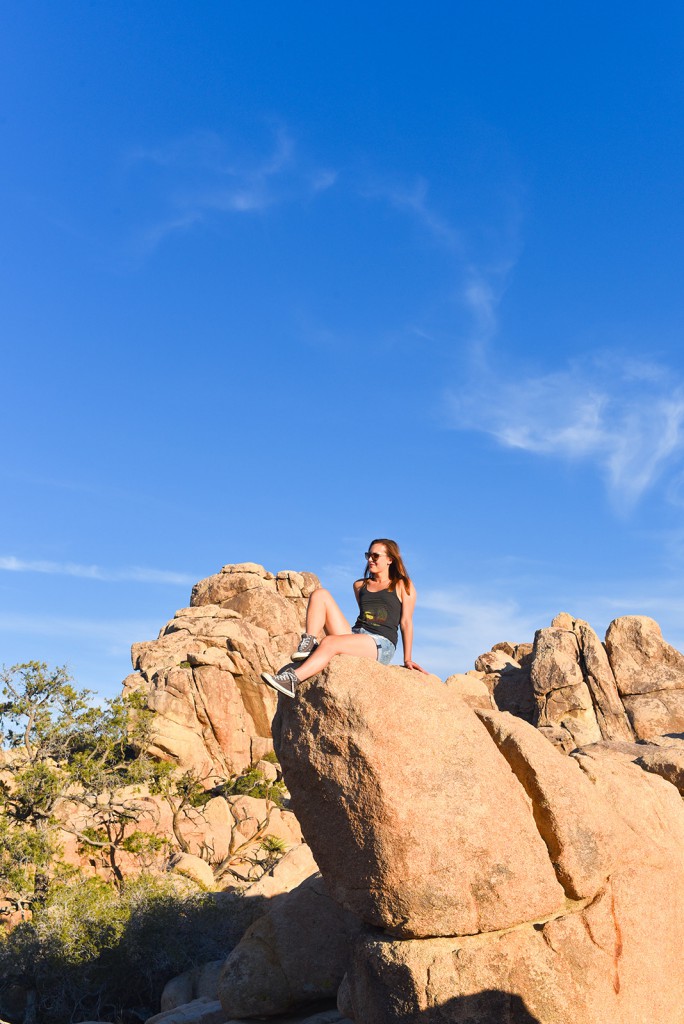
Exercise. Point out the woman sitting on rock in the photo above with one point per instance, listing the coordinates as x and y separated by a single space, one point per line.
386 599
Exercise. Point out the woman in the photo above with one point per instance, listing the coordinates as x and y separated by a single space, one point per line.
386 599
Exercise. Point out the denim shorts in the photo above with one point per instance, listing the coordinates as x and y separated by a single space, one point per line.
386 648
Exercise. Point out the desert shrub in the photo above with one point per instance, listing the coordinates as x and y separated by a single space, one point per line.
271 757
94 951
253 783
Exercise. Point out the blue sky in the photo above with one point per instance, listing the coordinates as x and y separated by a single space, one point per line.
278 279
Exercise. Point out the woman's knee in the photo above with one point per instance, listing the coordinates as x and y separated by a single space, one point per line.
329 644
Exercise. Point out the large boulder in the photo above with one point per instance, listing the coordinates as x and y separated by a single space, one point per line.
610 961
295 954
608 708
614 956
650 676
399 790
582 835
199 1011
666 761
199 983
509 882
561 691
201 675
568 676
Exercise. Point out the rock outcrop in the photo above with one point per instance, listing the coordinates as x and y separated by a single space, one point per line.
471 871
201 675
649 674
365 751
295 954
579 691
498 879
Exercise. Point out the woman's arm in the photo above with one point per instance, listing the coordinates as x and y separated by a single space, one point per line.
408 603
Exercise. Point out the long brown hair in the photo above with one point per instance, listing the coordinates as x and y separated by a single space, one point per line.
397 569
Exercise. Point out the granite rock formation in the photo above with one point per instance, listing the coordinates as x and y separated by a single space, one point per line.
486 875
358 791
201 675
579 691
497 878
297 953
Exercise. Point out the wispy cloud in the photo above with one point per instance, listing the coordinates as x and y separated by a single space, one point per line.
454 626
131 574
479 281
414 199
626 418
202 176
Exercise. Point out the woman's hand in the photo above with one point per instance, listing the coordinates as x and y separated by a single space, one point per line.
416 667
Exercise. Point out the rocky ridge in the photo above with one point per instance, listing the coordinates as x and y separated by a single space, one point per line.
490 870
201 675
470 869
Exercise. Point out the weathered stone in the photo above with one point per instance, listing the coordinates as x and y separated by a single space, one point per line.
608 708
562 695
201 675
650 676
641 660
496 660
668 762
231 580
593 966
291 870
412 841
268 770
199 1011
576 824
199 983
508 679
615 957
293 955
559 736
194 868
177 992
656 714
472 690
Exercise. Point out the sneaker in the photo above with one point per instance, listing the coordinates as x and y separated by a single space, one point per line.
284 681
307 645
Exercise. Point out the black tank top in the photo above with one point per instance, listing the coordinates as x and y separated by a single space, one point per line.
379 613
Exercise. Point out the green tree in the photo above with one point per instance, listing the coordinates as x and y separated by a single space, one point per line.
43 720
61 748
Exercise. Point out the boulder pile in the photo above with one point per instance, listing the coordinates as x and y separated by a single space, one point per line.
201 675
577 690
496 878
503 848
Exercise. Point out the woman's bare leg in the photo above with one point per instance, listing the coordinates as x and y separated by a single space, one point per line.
360 645
323 613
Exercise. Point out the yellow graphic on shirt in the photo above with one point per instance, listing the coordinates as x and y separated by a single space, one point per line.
377 613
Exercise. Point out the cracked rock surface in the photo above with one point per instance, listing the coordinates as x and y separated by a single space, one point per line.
201 674
498 879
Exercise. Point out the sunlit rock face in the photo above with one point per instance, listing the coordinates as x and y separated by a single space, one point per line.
578 690
498 879
201 675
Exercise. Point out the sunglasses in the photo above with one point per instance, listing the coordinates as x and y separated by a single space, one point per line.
371 556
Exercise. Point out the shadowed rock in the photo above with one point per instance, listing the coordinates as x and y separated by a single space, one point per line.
295 954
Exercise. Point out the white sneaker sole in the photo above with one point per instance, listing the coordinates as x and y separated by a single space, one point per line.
300 655
271 680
